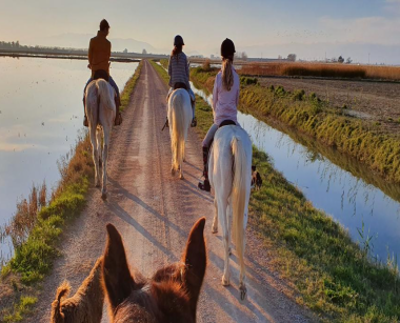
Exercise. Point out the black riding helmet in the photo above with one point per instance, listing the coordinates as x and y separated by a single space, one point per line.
228 48
178 41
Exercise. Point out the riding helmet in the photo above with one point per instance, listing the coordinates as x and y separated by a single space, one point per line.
178 41
104 25
227 48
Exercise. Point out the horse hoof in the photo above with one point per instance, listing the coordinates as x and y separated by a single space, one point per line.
243 292
230 251
225 282
98 184
104 196
181 177
172 171
214 231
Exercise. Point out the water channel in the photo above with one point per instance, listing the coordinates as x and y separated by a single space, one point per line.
41 115
340 186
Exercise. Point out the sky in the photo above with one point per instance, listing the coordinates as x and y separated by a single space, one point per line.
313 29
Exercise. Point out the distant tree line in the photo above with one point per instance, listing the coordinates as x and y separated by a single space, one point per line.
17 47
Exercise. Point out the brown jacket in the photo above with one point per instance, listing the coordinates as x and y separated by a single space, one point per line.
99 53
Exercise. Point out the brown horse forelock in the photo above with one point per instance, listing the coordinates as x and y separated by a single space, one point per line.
161 299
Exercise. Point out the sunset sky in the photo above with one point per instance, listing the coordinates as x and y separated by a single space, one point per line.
310 28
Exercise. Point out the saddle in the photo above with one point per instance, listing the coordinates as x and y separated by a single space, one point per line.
180 85
101 74
227 123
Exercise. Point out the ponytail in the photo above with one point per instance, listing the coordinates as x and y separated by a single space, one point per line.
227 74
176 51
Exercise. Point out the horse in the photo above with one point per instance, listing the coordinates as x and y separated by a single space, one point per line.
171 295
179 116
229 167
86 306
100 111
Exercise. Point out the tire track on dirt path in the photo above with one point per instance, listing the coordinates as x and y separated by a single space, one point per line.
154 213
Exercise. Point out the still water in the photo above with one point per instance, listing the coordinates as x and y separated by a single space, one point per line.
41 115
336 184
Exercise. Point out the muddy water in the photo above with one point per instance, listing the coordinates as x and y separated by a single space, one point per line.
360 201
41 115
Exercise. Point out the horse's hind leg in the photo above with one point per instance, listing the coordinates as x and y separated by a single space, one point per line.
95 156
222 214
106 134
214 228
99 144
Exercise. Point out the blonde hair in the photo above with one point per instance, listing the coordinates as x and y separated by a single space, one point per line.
227 74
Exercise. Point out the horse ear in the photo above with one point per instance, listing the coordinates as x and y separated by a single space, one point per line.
195 259
116 275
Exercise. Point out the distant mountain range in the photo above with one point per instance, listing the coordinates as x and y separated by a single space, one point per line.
82 41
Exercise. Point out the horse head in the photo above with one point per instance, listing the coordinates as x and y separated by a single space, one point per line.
172 293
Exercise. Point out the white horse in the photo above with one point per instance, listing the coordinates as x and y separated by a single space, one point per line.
179 117
100 112
230 174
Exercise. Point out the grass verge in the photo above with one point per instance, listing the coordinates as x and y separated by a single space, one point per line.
329 273
361 139
33 258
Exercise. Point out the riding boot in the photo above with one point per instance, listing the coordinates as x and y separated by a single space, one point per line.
194 120
85 121
118 117
205 185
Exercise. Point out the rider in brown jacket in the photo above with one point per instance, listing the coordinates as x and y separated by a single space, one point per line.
99 59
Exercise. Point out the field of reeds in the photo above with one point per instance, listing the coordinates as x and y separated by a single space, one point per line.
323 70
36 227
330 274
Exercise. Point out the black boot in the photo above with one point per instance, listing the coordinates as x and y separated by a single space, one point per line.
118 117
194 120
85 122
205 185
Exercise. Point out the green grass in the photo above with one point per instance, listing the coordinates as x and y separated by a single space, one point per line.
34 258
330 274
22 308
161 71
129 86
361 139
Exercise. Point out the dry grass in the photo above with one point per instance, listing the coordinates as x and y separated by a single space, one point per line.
322 70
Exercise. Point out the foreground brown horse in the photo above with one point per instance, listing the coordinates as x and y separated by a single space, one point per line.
171 295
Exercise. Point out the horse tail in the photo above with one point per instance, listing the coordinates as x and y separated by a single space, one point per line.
62 291
104 93
177 129
241 167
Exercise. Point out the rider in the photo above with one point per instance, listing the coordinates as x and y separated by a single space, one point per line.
99 56
225 102
178 70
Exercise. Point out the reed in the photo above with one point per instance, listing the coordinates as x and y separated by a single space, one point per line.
323 70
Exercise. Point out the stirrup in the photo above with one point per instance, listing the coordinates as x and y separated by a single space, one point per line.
205 185
194 122
118 119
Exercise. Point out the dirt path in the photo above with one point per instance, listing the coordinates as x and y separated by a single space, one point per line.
154 213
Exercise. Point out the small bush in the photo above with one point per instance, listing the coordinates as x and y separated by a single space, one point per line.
298 95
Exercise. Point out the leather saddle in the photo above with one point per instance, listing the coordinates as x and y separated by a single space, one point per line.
180 85
227 123
101 74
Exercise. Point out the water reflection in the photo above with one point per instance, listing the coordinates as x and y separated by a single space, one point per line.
345 189
40 114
